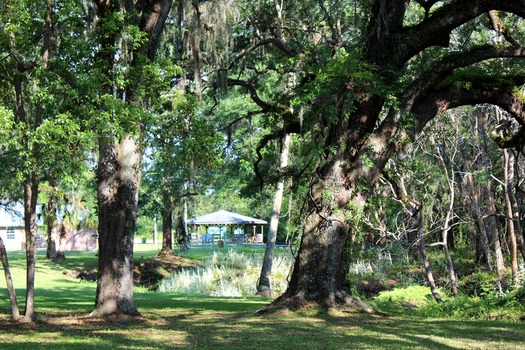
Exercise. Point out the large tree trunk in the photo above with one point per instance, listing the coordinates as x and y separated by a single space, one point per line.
264 286
119 166
361 130
118 185
15 313
319 273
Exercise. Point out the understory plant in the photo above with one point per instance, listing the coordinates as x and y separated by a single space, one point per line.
229 274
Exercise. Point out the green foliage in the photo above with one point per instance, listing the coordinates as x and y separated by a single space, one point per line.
491 305
480 284
475 79
346 71
404 300
182 146
418 301
228 273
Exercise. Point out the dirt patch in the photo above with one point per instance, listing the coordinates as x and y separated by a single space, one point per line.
371 288
148 272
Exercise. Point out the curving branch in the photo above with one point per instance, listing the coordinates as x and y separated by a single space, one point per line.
390 136
252 48
265 106
435 29
500 91
443 69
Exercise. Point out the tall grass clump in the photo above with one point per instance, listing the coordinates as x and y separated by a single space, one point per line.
229 274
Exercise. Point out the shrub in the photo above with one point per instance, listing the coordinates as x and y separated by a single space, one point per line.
229 274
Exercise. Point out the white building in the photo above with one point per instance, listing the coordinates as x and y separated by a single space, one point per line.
12 228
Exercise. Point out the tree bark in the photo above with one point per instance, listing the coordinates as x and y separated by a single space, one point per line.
51 223
118 184
15 312
318 273
451 182
512 229
119 164
264 284
30 200
490 219
167 229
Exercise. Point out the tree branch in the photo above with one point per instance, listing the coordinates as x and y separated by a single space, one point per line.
265 106
454 60
435 30
499 91
501 28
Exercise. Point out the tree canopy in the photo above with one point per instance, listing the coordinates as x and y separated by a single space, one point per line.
207 90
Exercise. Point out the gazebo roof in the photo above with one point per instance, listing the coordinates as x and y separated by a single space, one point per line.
223 217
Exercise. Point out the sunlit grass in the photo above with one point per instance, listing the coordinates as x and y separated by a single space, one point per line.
183 321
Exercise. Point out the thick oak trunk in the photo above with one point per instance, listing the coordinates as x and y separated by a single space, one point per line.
118 185
119 167
319 273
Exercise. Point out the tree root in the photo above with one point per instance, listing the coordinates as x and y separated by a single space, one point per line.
342 301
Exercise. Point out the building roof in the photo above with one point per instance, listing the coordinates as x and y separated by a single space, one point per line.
223 217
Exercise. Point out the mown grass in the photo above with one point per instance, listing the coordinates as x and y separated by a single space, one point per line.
177 321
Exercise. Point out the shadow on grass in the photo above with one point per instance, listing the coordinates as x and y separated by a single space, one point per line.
171 321
174 321
200 330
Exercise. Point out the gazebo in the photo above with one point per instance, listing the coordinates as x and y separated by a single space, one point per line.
227 219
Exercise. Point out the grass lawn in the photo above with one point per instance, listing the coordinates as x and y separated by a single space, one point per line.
174 321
